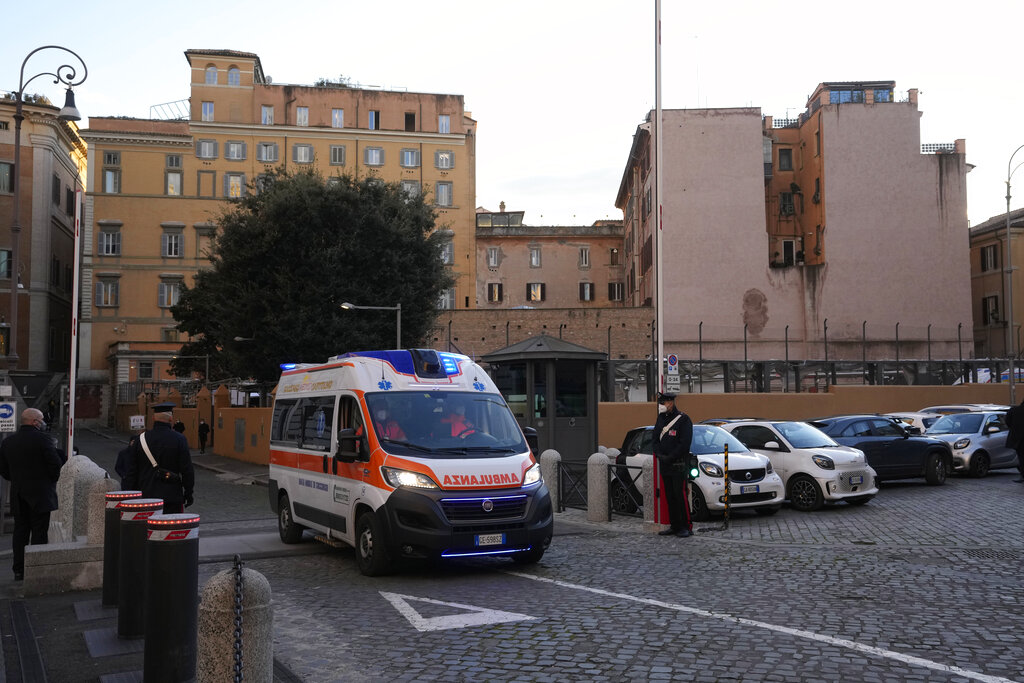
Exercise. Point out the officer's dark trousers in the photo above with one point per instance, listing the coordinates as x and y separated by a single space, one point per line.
29 526
675 496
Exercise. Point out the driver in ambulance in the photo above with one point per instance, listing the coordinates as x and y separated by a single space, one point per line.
455 423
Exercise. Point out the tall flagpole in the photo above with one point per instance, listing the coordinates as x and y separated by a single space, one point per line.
658 186
73 365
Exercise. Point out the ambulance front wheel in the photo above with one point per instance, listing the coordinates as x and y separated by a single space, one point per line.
371 546
286 526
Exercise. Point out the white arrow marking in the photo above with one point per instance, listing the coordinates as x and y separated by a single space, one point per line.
474 616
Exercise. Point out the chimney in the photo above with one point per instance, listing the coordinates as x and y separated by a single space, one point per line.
501 207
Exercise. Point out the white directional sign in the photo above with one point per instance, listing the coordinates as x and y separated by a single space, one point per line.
137 422
468 615
8 419
672 384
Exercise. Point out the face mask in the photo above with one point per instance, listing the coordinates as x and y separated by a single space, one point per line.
381 415
662 408
460 410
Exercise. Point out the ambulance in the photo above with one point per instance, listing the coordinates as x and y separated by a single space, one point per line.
405 455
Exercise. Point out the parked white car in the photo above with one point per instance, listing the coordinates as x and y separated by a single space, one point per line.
814 468
978 440
753 482
920 420
952 408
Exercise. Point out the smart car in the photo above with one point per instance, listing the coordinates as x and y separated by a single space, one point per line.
814 468
978 441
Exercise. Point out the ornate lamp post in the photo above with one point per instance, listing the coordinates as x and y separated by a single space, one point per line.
66 74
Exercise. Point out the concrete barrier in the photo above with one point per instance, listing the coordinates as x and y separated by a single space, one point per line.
217 629
549 462
597 488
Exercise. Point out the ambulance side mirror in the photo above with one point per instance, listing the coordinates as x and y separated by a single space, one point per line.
347 449
531 440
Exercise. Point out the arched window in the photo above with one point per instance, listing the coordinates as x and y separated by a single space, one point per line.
211 75
234 76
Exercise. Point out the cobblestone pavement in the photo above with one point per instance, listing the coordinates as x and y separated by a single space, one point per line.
923 583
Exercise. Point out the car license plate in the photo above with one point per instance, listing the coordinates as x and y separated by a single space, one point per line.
856 480
490 539
749 489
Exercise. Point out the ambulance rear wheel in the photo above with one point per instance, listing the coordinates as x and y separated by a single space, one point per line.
286 526
371 546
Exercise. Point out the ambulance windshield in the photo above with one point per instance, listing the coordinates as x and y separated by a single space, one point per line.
444 423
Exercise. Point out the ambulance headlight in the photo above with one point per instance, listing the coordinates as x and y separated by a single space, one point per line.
415 480
532 476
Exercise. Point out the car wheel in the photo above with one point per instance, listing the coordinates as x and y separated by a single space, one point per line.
859 500
698 506
805 494
979 464
767 510
935 470
621 500
371 546
286 526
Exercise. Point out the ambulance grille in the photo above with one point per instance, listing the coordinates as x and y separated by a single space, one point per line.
473 509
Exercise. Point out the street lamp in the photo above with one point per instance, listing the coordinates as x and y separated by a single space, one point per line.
242 339
69 112
1009 278
398 321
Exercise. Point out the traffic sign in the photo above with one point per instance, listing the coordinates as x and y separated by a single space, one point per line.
8 421
672 384
673 364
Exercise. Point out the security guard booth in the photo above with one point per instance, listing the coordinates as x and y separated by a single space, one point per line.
551 385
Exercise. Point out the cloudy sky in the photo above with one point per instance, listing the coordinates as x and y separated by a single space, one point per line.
559 86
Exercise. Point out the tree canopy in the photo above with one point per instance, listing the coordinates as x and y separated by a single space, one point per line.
287 256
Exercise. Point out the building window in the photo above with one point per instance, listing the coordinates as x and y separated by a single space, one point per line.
444 123
494 292
107 293
817 142
234 149
615 291
173 161
337 155
613 257
55 190
535 291
410 121
586 291
535 257
234 76
448 253
145 369
211 75
167 293
266 151
584 259
447 300
170 244
374 122
785 159
111 180
206 149
990 310
410 158
989 258
492 257
174 180
883 95
169 334
109 243
374 156
5 263
842 96
301 116
411 188
234 185
337 118
6 177
444 159
267 115
207 111
69 200
786 207
302 154
443 194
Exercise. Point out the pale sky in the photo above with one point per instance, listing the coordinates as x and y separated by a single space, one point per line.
559 86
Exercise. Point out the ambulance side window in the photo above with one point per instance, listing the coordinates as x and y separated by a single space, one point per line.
317 418
350 417
286 425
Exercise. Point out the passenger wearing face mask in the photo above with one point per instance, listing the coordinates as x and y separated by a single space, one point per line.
673 433
386 427
456 419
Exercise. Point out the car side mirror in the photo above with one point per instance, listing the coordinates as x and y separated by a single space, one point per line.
772 446
914 431
992 429
531 440
348 448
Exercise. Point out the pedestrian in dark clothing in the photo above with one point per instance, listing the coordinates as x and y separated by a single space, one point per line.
121 466
204 432
166 470
1015 435
179 427
673 433
30 460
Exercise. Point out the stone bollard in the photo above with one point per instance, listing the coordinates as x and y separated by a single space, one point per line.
598 477
217 629
549 462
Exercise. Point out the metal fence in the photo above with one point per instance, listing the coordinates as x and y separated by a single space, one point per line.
624 497
572 486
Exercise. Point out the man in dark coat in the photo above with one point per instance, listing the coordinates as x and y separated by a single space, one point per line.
204 433
1015 435
173 478
30 460
673 433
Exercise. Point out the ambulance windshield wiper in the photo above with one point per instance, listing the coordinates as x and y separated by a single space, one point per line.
478 449
413 446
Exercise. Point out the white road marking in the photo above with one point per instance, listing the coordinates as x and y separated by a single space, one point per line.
474 616
798 633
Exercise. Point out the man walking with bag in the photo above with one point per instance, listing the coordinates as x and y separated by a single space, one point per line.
161 465
673 433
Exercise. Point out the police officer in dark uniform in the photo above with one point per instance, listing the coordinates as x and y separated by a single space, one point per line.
172 478
673 432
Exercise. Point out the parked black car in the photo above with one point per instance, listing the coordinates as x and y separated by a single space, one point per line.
892 451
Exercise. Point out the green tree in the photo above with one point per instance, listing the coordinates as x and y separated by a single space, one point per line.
288 255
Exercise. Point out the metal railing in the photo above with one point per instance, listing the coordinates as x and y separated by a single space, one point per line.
624 497
572 486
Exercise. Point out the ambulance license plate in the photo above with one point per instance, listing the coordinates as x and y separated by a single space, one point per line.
490 539
856 480
749 489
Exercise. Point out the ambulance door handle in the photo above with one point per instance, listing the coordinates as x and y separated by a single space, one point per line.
334 465
325 464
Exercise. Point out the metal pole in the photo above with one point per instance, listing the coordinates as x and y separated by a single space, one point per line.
507 323
1009 280
73 363
826 351
864 350
658 194
787 358
960 348
700 354
897 347
450 335
746 381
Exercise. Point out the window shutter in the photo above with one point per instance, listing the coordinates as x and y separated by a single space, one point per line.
500 297
227 185
451 159
244 151
543 292
163 244
295 153
99 293
528 292
242 194
199 144
273 152
611 291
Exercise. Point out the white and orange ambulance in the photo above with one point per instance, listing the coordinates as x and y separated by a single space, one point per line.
408 454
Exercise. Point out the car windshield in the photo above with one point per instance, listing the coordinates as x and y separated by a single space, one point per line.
708 439
961 423
444 423
803 435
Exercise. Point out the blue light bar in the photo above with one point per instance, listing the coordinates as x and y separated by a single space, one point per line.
478 553
289 366
450 362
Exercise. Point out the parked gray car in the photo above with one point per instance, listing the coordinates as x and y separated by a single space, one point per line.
978 441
